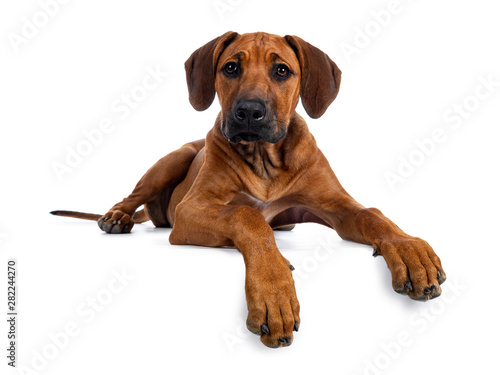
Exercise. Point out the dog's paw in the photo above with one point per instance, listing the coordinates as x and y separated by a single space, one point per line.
273 308
116 222
416 269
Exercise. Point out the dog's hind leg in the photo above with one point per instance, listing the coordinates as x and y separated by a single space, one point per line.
153 190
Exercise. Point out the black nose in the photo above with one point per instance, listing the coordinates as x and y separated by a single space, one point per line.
249 111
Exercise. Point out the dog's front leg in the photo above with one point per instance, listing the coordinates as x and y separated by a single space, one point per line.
270 291
416 269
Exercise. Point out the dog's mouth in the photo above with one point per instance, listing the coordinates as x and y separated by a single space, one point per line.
271 134
246 137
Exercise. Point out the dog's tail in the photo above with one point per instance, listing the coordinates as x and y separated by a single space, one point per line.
139 216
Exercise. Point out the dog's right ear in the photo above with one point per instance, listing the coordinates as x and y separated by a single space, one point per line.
200 71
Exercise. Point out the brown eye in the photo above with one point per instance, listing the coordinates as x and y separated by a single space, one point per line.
282 71
231 69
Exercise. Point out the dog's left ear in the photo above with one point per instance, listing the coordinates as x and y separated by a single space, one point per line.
200 71
320 81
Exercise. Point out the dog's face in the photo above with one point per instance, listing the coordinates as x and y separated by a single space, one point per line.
258 83
258 79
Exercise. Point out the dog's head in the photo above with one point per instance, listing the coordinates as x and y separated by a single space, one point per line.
258 78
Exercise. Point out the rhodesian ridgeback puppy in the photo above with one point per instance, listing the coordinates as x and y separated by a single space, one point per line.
259 169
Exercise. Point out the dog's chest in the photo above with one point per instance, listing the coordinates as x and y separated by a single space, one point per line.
268 208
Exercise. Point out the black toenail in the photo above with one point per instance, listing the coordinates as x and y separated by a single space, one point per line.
296 326
427 290
433 287
375 253
288 340
265 328
408 285
439 275
292 268
282 339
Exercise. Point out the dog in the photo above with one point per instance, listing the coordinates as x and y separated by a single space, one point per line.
259 169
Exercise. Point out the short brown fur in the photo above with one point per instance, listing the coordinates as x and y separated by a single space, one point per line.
216 193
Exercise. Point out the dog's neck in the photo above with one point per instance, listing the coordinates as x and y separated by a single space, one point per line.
268 160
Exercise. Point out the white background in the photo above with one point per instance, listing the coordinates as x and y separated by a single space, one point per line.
184 310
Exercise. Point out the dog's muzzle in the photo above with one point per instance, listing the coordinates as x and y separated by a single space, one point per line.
249 121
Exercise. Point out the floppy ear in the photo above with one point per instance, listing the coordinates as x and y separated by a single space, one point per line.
200 71
320 76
